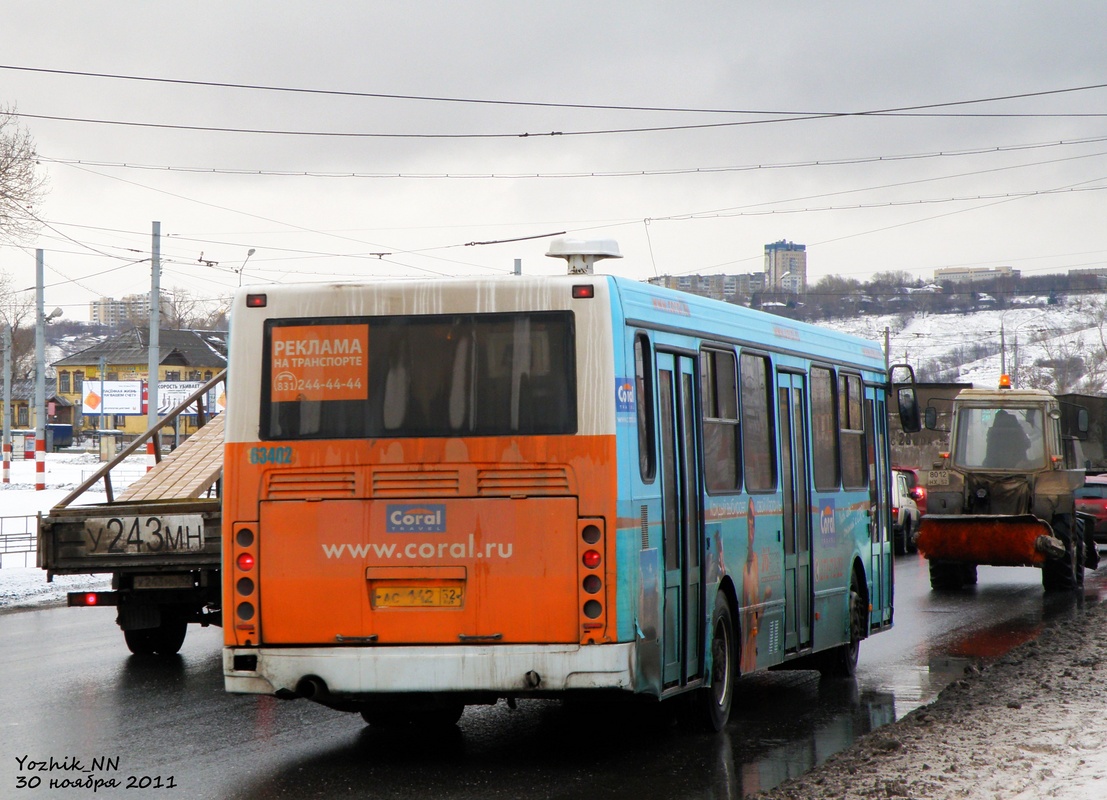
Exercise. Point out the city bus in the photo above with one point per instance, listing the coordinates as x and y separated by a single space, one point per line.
450 492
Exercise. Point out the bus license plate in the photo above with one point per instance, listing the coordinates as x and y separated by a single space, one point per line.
937 477
418 596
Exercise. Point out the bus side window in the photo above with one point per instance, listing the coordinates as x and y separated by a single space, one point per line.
720 421
758 450
824 429
851 426
643 390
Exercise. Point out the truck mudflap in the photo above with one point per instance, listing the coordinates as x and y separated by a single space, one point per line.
1018 540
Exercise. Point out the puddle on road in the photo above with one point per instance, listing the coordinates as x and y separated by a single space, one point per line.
825 717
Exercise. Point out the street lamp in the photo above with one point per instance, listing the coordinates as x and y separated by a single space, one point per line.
242 269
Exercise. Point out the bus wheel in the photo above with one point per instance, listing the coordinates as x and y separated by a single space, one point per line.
715 700
394 715
841 661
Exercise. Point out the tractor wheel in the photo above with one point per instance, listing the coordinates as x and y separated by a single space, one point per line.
1061 574
947 576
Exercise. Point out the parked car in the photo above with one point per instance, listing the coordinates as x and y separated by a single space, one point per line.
918 491
1091 498
905 514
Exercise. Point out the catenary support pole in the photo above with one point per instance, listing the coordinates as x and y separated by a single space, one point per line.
7 403
40 377
155 346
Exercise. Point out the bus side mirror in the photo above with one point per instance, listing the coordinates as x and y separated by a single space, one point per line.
902 379
908 409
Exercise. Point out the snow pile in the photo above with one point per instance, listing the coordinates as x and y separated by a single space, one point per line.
22 584
24 587
1030 725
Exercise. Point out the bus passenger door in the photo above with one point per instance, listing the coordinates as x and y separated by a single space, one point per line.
795 480
876 438
682 532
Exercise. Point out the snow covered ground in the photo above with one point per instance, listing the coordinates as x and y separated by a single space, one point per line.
1030 725
22 584
1031 335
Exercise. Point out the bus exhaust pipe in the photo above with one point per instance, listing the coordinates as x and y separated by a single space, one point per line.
313 688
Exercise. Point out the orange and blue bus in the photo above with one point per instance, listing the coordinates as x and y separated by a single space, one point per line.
456 491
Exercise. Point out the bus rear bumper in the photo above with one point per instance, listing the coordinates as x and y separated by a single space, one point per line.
366 671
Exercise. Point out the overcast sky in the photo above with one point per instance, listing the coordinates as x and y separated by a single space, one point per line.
736 137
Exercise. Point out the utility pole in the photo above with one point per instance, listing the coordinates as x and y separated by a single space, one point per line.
1002 350
40 377
152 446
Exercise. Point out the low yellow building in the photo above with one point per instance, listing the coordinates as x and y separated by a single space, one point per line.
183 356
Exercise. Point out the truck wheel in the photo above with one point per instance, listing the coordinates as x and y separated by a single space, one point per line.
140 642
165 640
946 576
1060 574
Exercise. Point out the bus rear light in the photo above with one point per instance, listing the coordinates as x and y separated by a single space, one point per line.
256 300
584 291
593 609
591 558
245 586
591 626
245 611
245 561
592 584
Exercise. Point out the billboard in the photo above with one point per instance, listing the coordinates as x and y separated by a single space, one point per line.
172 393
112 397
129 397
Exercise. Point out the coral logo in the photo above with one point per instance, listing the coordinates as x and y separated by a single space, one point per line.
624 396
828 528
428 518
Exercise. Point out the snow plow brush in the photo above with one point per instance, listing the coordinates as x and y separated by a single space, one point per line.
1020 540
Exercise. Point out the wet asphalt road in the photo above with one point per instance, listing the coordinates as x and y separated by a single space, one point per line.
74 694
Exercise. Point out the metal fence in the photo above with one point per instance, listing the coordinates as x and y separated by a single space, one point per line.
18 541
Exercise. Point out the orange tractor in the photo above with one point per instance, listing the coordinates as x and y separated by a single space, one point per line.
1003 492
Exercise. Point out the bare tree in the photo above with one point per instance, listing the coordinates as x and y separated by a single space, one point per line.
22 188
17 309
185 311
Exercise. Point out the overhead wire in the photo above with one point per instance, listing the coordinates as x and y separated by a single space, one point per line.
539 104
856 161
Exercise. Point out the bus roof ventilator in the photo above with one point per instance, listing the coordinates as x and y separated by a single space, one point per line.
580 255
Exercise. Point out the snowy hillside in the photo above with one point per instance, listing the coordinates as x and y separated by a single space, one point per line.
1061 347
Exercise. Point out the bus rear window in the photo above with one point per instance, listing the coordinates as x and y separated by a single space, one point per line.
394 377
